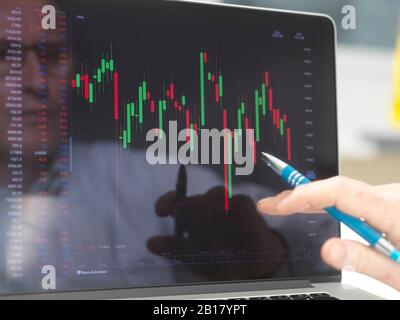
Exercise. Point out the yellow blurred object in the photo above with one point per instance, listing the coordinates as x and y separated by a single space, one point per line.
396 113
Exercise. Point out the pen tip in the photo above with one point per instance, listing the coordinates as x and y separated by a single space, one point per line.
266 157
272 161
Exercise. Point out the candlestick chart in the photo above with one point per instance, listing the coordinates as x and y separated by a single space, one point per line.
256 107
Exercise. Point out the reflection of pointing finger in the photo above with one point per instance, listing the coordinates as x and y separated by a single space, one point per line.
165 204
194 209
242 201
243 209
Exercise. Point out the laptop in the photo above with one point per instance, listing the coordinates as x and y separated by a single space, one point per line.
128 141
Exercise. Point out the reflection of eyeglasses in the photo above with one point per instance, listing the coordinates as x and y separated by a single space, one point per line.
49 54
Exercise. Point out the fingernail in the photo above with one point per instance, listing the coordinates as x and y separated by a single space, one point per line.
262 204
263 201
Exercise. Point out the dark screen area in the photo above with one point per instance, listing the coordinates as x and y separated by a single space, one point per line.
86 202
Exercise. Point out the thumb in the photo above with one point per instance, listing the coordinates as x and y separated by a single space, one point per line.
344 253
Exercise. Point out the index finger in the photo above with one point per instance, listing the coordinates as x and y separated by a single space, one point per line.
350 196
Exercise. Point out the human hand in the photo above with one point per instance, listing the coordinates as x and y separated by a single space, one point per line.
378 205
210 229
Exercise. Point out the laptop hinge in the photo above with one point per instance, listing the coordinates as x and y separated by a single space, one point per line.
177 290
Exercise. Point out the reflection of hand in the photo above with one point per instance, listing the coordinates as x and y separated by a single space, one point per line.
208 228
380 206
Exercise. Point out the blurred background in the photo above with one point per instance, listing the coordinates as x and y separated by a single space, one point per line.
368 69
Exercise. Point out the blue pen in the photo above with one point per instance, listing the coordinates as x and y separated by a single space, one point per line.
374 238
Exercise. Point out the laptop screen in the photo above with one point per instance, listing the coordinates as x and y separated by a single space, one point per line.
129 135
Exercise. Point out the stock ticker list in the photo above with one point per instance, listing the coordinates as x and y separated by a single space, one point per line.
17 203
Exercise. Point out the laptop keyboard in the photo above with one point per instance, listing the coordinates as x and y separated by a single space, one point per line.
308 296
